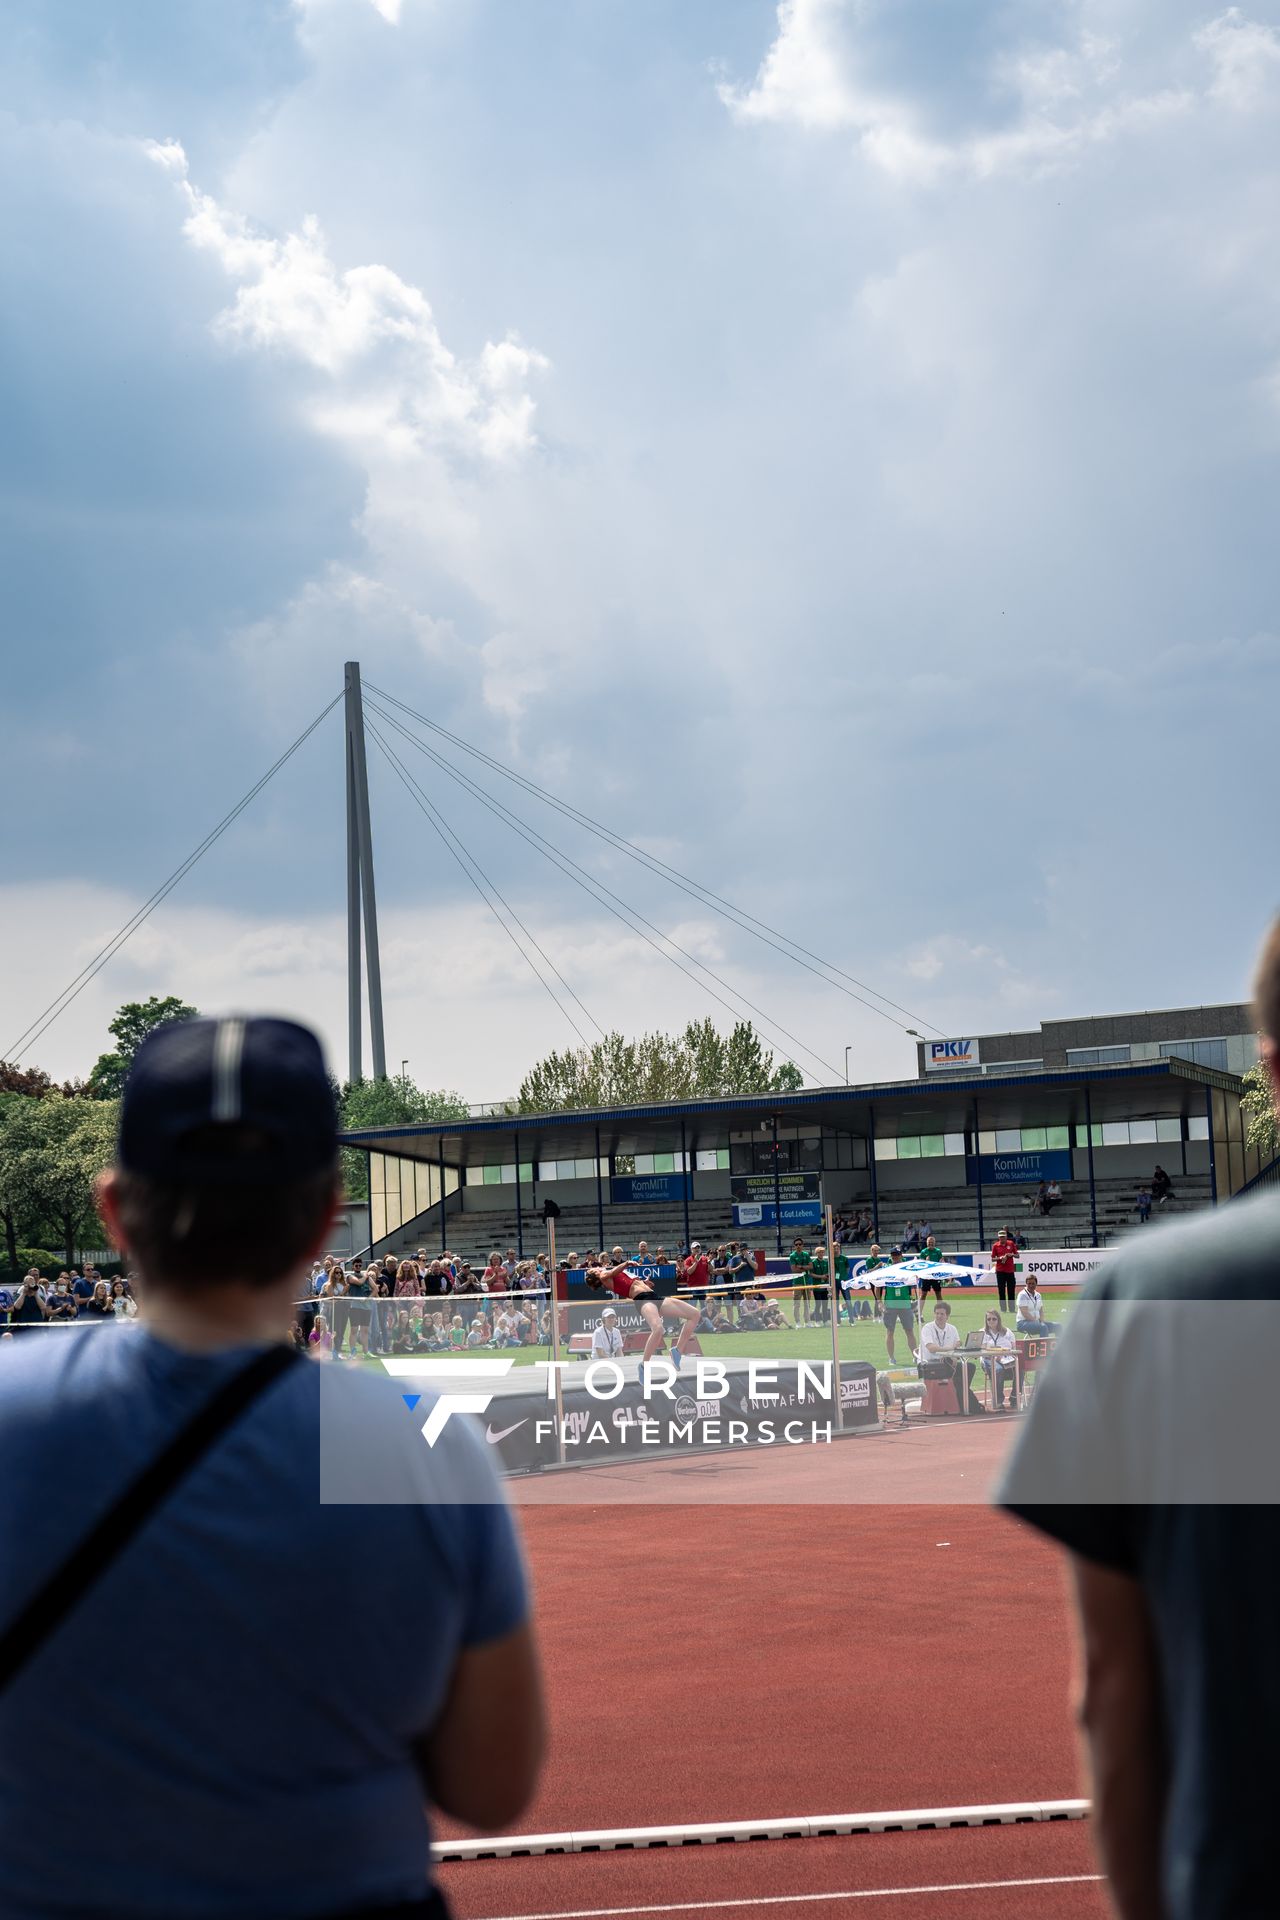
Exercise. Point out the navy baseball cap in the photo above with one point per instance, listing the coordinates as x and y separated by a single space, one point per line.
264 1078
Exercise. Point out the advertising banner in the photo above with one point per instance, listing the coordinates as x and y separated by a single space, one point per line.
948 1056
1052 1266
1018 1169
796 1213
750 1187
646 1189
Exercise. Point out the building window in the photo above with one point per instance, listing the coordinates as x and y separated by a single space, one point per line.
1198 1127
913 1146
1204 1053
1097 1056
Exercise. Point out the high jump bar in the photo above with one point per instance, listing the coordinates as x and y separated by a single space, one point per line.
715 1833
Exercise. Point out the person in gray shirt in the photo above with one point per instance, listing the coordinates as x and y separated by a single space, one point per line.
1152 1454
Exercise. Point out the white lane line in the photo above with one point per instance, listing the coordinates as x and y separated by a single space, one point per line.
801 1827
796 1899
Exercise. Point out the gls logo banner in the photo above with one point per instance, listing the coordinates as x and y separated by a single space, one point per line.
447 1403
947 1055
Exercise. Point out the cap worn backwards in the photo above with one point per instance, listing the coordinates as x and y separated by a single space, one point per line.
241 1101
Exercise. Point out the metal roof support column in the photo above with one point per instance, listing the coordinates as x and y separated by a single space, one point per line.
444 1224
599 1197
977 1163
777 1188
871 1166
1213 1158
684 1180
1093 1185
519 1213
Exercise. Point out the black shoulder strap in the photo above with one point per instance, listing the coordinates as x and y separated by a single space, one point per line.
87 1562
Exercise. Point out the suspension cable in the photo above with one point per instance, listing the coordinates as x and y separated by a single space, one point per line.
621 909
759 929
462 856
58 1006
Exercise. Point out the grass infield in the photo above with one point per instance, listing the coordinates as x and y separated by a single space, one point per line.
863 1341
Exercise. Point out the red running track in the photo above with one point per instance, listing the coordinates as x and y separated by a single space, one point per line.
761 1661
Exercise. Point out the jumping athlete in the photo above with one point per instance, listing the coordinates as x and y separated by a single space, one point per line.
651 1305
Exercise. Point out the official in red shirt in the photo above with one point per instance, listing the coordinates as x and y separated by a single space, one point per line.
1004 1255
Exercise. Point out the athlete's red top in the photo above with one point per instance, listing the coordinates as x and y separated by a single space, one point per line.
621 1279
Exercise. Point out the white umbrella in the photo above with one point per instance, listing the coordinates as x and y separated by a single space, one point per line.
914 1271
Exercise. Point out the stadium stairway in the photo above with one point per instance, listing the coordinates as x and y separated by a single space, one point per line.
951 1212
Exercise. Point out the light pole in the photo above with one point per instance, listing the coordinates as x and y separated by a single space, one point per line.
848 1050
404 1069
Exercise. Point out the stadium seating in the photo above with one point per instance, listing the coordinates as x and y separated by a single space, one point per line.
952 1213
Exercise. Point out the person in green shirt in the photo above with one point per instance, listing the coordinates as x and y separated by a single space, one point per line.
897 1305
873 1260
800 1263
844 1268
821 1273
930 1251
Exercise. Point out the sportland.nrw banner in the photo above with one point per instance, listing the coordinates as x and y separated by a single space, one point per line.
1052 1266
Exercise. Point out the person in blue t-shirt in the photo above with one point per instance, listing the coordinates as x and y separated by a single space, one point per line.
256 1778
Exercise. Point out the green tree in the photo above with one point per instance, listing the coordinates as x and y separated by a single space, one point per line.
1258 1101
134 1021
394 1101
12 1106
617 1072
51 1153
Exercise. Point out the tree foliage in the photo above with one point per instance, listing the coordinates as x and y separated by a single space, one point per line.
51 1152
1258 1101
134 1021
35 1082
700 1063
394 1101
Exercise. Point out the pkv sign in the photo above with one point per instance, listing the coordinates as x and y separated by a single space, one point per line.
946 1056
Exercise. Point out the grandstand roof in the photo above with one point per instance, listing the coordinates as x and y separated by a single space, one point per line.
1150 1090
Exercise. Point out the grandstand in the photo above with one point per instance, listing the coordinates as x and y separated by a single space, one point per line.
952 1219
964 1152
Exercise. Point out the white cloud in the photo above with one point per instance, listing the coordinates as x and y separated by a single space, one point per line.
460 1001
341 615
392 383
1065 98
1245 57
390 10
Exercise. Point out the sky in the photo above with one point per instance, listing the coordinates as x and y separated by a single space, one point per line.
833 444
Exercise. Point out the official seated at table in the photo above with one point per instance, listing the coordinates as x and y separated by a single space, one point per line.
1001 1368
939 1358
1030 1310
